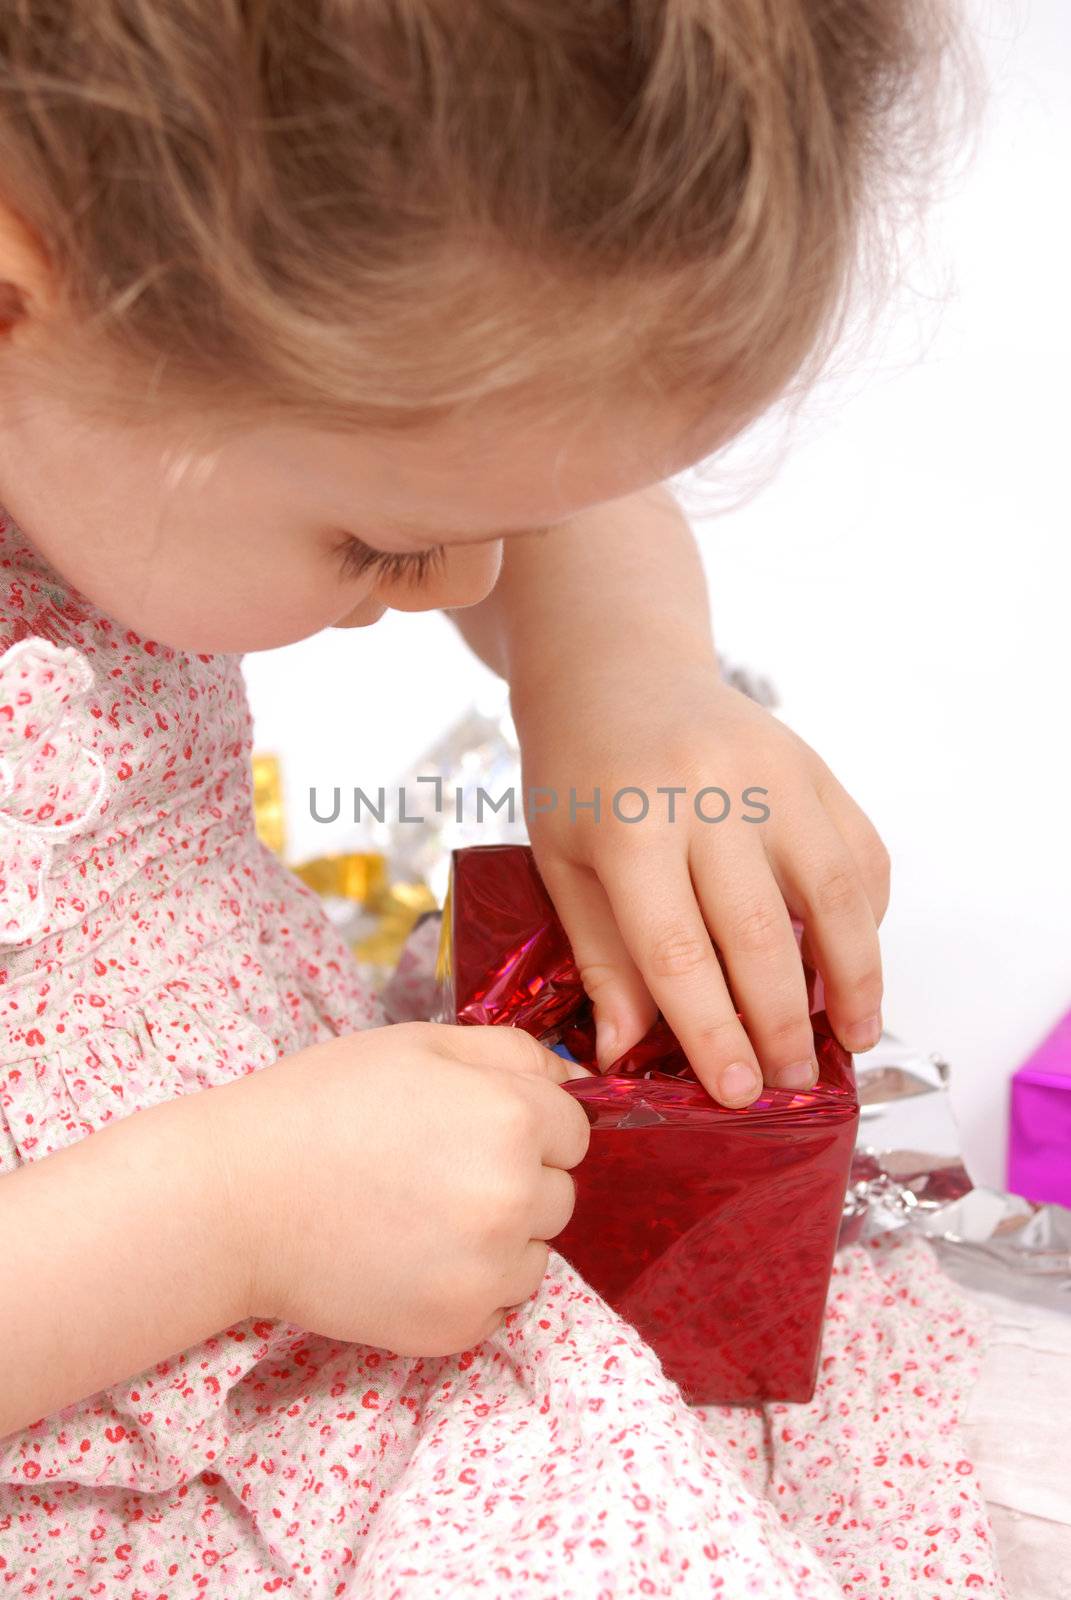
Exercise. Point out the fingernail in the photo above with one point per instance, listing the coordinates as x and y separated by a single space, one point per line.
863 1035
800 1075
738 1082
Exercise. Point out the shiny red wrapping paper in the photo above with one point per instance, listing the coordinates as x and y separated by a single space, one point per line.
712 1231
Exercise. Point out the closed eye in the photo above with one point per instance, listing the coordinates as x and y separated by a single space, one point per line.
414 566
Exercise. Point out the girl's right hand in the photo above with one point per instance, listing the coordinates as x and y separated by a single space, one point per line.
395 1187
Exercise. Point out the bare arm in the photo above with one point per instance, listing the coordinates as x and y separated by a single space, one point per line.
115 1254
632 566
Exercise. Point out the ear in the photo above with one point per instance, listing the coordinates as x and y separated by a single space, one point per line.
27 282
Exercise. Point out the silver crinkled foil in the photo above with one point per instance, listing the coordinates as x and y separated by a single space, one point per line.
908 1172
907 1161
465 790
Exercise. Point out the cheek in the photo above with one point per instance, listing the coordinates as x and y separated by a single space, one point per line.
266 603
207 595
467 575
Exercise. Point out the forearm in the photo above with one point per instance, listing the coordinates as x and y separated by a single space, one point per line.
586 595
115 1253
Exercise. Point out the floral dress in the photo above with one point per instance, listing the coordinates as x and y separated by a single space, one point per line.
151 947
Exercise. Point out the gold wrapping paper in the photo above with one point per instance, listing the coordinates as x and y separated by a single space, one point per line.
268 809
445 953
359 876
400 909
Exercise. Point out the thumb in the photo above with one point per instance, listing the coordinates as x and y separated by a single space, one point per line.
624 1009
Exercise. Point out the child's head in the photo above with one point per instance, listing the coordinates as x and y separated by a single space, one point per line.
416 271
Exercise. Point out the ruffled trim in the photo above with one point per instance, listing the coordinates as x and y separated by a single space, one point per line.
52 784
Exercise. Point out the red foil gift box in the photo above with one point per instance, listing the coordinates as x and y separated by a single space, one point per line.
711 1230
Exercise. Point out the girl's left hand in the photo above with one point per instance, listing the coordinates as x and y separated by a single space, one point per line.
642 900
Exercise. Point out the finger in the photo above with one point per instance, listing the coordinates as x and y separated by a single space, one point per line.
624 1008
510 1049
825 890
554 1204
746 913
526 1277
862 839
560 1123
658 914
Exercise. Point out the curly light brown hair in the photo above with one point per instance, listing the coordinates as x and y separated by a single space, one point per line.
367 212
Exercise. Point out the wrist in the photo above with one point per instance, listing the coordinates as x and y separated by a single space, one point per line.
618 591
265 1129
232 1181
610 666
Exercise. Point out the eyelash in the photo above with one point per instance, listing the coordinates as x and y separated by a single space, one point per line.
416 566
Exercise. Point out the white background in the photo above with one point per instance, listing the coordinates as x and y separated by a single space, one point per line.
903 577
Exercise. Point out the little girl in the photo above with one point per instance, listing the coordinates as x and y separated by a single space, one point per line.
308 311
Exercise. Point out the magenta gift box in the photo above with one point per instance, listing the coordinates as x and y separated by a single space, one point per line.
1039 1142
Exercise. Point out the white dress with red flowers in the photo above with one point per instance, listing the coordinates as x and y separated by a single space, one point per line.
150 947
